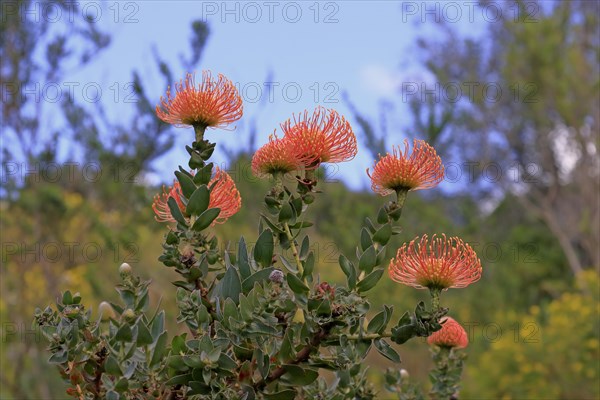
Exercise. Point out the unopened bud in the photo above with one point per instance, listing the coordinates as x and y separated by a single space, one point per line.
309 198
125 269
276 276
106 311
128 315
404 374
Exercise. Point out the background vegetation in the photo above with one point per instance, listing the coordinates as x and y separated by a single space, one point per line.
533 320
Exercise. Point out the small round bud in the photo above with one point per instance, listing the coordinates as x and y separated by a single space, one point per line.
404 374
309 198
276 276
106 311
128 315
125 269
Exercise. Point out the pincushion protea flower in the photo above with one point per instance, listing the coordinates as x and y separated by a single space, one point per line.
275 157
212 103
452 334
436 264
324 136
223 195
160 206
399 171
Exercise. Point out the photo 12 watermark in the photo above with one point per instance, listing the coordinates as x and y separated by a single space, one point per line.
254 12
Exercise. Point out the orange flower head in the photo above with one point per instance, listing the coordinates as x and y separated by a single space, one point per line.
224 195
276 156
452 334
160 206
422 169
213 103
323 137
439 263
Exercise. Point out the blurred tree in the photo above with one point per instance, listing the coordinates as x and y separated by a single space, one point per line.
72 198
541 128
519 107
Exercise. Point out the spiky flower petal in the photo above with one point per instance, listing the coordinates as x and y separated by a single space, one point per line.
160 205
452 334
439 263
213 103
275 157
224 195
421 169
324 136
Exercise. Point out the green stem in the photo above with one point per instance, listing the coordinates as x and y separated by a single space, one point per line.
401 197
369 336
278 188
199 129
288 233
435 299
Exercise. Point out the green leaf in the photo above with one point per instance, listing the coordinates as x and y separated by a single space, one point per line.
274 227
124 333
198 387
111 366
304 248
122 385
175 211
386 350
261 275
242 259
160 349
382 216
263 250
287 394
67 298
187 184
204 174
230 310
144 337
404 330
349 270
370 280
227 363
302 224
365 239
377 324
297 375
112 395
368 260
309 264
289 266
199 201
263 363
286 352
286 213
232 286
383 235
205 219
296 284
179 380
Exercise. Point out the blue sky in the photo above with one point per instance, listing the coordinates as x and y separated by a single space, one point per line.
315 51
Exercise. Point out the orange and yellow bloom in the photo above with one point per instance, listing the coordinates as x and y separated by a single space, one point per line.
160 206
401 171
223 195
324 136
451 335
213 103
437 264
277 156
